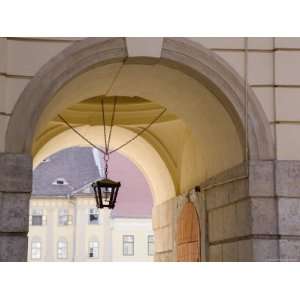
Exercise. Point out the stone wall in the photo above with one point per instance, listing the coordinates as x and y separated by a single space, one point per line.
241 217
15 188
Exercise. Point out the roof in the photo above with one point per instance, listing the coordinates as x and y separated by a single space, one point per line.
80 166
76 165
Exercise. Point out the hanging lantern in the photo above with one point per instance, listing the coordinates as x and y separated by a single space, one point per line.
106 192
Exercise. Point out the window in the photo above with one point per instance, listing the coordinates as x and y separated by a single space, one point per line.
62 249
93 216
128 245
37 218
64 218
35 250
93 249
60 181
150 245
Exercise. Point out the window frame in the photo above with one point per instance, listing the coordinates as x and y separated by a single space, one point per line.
58 248
37 212
89 216
69 218
128 243
40 249
89 248
149 236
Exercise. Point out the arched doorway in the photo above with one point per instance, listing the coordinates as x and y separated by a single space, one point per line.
188 235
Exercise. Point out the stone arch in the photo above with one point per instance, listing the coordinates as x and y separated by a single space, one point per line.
179 53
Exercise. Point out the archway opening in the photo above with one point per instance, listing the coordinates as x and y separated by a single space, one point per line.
206 138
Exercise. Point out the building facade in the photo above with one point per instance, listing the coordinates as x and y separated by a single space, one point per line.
64 223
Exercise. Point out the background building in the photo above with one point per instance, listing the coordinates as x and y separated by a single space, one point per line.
65 224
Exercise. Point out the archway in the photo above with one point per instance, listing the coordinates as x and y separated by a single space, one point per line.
187 79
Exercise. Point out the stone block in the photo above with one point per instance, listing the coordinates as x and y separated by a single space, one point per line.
16 173
287 104
13 248
14 212
230 251
245 250
287 64
234 59
287 42
265 97
220 42
265 250
14 88
3 53
27 57
215 253
260 68
289 216
155 217
288 178
243 224
289 250
261 181
264 215
215 225
229 222
287 135
3 127
260 43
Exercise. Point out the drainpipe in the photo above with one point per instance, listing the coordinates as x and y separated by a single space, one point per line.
73 202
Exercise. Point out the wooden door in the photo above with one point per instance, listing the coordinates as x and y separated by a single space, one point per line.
188 234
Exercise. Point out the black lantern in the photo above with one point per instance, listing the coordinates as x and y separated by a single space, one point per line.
106 192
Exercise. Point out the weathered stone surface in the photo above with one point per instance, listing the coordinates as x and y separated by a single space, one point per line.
289 250
215 225
243 210
288 178
230 251
163 239
14 212
15 173
261 181
265 250
164 257
229 222
215 253
245 250
13 248
264 215
289 216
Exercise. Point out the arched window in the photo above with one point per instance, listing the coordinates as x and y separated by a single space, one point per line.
62 249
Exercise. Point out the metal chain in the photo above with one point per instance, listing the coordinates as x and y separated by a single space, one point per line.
139 133
103 119
77 132
112 122
106 153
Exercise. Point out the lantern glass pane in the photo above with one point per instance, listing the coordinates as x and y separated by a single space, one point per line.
106 194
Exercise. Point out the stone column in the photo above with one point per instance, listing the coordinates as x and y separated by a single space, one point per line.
288 195
15 191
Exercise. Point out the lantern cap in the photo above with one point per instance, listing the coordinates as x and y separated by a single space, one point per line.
106 182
